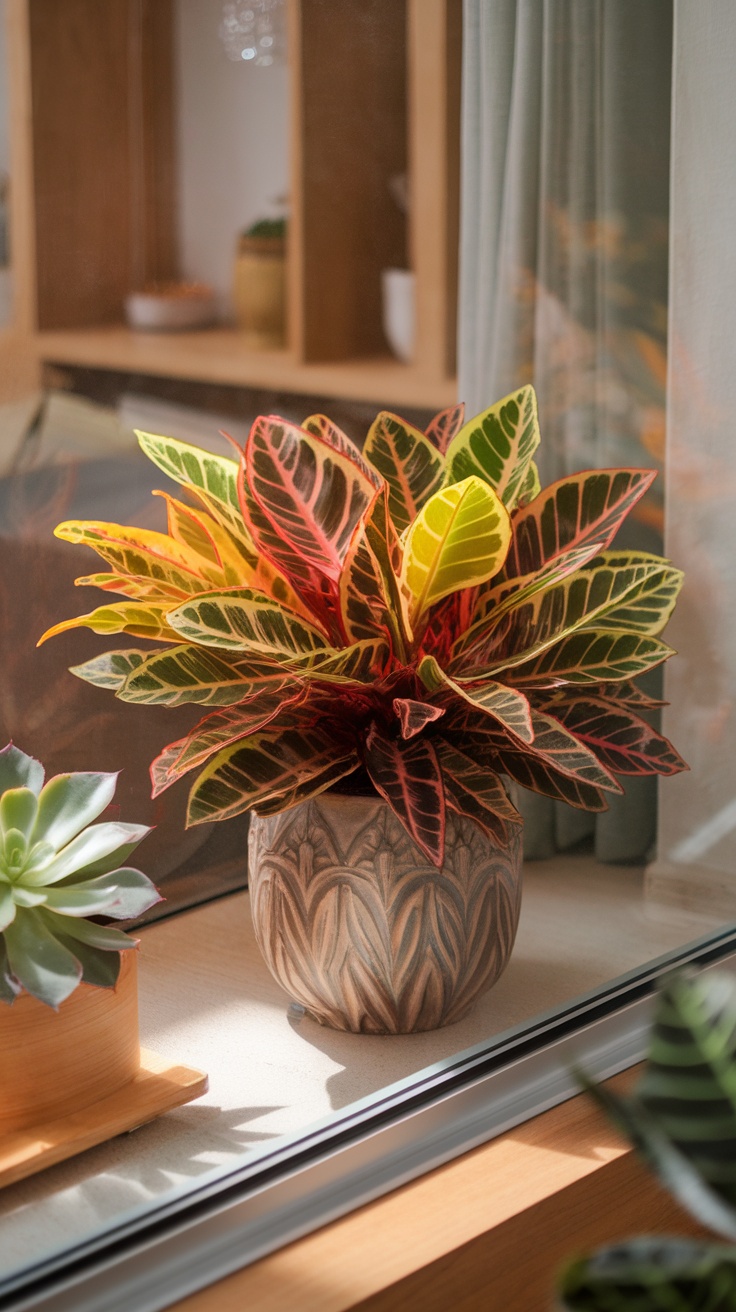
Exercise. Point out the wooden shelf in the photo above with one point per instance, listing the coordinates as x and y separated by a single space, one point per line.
219 356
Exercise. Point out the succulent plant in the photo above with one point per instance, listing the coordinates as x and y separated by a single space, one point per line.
421 615
56 870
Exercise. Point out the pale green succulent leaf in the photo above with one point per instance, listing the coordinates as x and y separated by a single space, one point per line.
19 771
43 966
9 986
498 445
18 807
68 803
8 906
76 900
103 937
101 969
27 897
459 539
127 893
92 845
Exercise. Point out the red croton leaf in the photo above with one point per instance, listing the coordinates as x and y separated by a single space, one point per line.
415 716
445 426
582 508
476 792
621 740
221 728
408 776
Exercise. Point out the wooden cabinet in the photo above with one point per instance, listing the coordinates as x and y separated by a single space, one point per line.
375 88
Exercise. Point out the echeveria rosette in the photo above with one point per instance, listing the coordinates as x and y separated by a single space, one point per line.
421 613
57 869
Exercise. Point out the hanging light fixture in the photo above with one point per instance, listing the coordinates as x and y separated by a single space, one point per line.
252 31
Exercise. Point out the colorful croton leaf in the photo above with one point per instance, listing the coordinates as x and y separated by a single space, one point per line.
419 613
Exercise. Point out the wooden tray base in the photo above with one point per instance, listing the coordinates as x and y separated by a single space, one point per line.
157 1088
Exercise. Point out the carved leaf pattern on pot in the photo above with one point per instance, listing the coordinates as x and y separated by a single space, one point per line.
357 925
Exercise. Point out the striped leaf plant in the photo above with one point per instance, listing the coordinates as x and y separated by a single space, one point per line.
418 615
682 1118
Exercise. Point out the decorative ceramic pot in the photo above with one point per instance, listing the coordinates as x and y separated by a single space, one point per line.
356 925
259 292
53 1063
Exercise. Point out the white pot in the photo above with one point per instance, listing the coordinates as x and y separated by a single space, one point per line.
397 286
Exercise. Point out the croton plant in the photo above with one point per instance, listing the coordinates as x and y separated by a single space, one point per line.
420 615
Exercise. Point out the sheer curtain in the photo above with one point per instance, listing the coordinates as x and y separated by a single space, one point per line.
564 256
697 833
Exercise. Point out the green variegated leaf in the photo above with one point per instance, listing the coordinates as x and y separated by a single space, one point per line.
655 1274
139 619
333 436
445 426
408 776
240 619
111 669
197 674
222 728
531 486
313 494
214 475
203 534
628 694
266 767
621 740
308 788
647 608
189 528
591 656
497 447
229 520
135 589
460 538
530 628
373 600
580 509
682 1113
509 707
142 553
494 603
410 464
476 792
363 662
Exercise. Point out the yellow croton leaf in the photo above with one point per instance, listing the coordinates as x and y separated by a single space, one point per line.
458 540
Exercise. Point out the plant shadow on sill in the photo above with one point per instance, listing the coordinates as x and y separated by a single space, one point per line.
107 1181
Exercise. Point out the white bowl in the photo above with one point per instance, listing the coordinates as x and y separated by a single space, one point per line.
162 311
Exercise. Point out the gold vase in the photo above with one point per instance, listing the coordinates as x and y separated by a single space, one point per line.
359 928
260 292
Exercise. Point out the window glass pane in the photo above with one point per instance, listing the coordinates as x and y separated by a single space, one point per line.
220 136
